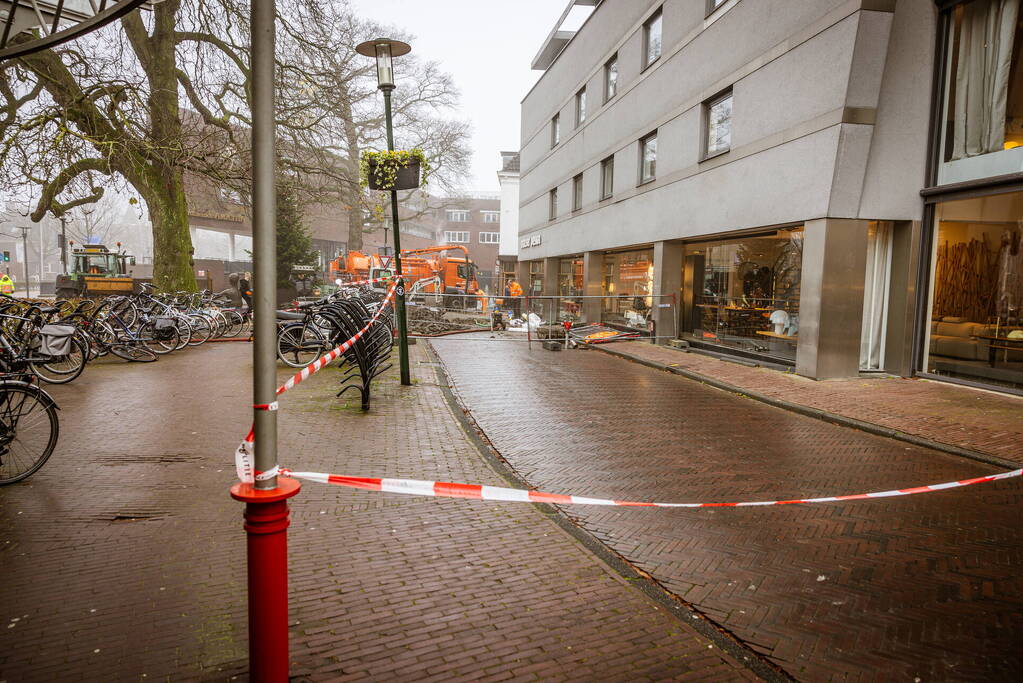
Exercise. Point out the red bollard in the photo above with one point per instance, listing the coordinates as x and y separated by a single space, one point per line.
266 523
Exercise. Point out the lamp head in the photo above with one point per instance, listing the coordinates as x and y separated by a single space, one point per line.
384 50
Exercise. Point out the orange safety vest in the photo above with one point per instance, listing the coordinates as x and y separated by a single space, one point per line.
515 289
6 285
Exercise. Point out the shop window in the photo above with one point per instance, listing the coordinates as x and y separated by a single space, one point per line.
535 278
607 177
611 78
570 289
718 115
652 39
983 121
749 296
976 305
628 286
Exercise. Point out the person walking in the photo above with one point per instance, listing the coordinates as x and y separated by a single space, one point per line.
6 284
245 286
513 291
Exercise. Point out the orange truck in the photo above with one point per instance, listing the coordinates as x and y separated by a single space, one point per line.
452 275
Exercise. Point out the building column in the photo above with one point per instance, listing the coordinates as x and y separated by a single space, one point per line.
831 298
668 258
593 274
551 267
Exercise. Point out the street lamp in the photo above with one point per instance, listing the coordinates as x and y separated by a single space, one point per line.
24 248
383 50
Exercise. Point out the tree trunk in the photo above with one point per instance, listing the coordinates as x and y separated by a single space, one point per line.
172 242
351 194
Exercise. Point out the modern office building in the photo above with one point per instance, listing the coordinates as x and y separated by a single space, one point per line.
836 185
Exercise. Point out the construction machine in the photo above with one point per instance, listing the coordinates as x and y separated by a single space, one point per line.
95 271
451 276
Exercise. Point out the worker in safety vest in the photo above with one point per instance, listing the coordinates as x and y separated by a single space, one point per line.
513 290
6 284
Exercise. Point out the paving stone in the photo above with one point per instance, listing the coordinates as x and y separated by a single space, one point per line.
381 584
924 586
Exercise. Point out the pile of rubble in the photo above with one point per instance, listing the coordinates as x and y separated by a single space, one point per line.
428 320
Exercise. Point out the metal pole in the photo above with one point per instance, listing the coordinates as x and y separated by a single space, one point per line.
24 248
266 505
399 300
63 243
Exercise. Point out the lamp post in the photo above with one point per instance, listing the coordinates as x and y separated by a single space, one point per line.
383 50
24 250
63 242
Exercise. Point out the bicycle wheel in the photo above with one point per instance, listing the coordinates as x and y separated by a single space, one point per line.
159 346
184 332
299 345
232 323
135 351
63 369
202 330
28 430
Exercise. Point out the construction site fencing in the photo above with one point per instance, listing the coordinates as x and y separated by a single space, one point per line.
544 317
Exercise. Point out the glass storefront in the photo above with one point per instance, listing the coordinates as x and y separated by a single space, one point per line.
535 287
976 304
570 288
628 284
749 292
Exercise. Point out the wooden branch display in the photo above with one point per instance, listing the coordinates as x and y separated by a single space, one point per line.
965 281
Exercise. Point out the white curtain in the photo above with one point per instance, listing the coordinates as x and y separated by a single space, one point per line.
875 296
982 76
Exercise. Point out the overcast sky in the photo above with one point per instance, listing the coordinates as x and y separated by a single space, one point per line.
487 47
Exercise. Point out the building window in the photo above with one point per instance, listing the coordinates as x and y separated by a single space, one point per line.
611 78
713 5
490 237
607 177
719 124
977 298
458 216
580 107
577 192
491 216
648 158
553 198
452 237
652 39
983 92
555 130
746 292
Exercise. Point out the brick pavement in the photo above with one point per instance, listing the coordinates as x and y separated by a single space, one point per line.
981 421
925 587
123 557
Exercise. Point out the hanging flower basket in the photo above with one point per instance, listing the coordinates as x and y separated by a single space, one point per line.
397 170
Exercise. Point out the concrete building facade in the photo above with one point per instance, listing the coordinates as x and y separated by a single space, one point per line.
777 170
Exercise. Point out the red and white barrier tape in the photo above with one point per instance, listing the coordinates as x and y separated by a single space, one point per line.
243 456
476 492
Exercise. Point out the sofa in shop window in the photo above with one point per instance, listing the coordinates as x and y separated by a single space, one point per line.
954 337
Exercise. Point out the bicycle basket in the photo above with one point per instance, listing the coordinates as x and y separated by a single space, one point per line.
55 340
163 328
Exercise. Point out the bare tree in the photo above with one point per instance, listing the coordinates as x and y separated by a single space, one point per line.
169 94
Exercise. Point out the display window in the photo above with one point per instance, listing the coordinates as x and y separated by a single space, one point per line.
535 278
570 288
749 292
628 286
976 295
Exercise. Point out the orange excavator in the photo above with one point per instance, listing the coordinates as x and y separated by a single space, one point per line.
439 273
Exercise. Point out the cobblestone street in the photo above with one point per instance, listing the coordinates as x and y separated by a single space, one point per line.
923 587
123 558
